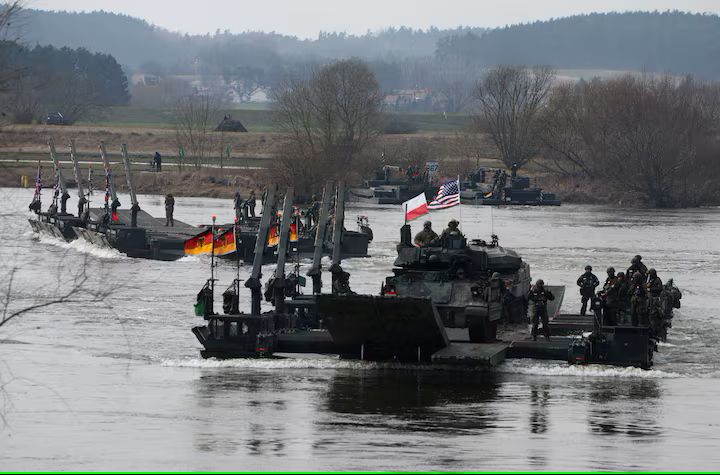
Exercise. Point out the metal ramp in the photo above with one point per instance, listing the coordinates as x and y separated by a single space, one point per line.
375 327
471 354
147 221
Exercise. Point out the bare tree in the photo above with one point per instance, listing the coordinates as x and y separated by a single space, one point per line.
77 99
75 284
656 125
569 135
510 99
195 121
452 84
327 120
10 73
24 101
637 133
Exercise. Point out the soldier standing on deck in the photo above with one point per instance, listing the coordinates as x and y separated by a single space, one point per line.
587 283
249 205
495 294
169 209
539 297
238 205
638 300
610 290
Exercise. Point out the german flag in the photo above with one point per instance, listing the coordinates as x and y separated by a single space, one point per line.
225 243
202 244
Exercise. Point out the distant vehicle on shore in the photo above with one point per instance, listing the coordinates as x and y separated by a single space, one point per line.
55 118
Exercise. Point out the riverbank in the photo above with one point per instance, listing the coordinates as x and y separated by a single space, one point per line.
223 183
250 163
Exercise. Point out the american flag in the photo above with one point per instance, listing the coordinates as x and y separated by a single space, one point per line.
448 195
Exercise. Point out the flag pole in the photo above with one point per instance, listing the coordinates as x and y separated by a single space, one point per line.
459 203
405 213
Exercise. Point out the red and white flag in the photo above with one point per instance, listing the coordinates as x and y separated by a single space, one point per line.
415 207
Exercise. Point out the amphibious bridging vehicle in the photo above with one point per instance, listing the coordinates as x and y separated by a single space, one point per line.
433 309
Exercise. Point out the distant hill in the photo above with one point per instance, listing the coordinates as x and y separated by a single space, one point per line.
674 41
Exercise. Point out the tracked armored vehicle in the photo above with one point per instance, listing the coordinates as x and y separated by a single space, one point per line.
454 275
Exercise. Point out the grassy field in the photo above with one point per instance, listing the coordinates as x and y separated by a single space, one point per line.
259 118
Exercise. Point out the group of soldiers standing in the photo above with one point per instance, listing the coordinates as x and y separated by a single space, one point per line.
631 297
634 294
244 208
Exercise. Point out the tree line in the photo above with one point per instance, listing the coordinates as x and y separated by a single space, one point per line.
670 41
653 135
74 82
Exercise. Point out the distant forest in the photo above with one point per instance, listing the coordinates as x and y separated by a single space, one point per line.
671 41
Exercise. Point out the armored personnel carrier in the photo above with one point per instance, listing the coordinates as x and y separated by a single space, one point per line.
454 275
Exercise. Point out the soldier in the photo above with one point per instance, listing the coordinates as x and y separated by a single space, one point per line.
313 212
638 300
654 287
636 266
610 291
495 294
169 209
539 296
249 205
238 205
622 301
587 283
425 237
157 159
451 230
341 285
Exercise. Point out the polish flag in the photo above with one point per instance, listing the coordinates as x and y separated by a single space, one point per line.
415 207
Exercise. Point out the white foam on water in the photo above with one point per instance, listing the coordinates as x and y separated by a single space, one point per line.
309 361
314 362
81 245
547 368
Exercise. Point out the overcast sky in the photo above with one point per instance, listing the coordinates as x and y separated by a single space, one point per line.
305 18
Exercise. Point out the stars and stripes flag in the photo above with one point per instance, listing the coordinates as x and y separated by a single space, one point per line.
448 195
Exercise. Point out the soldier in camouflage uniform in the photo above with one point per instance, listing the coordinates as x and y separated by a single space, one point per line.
638 300
425 237
610 291
538 296
587 283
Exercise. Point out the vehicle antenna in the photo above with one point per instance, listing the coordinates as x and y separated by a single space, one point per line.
237 254
492 223
212 258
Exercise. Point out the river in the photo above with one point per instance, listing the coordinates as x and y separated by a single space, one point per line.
118 385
